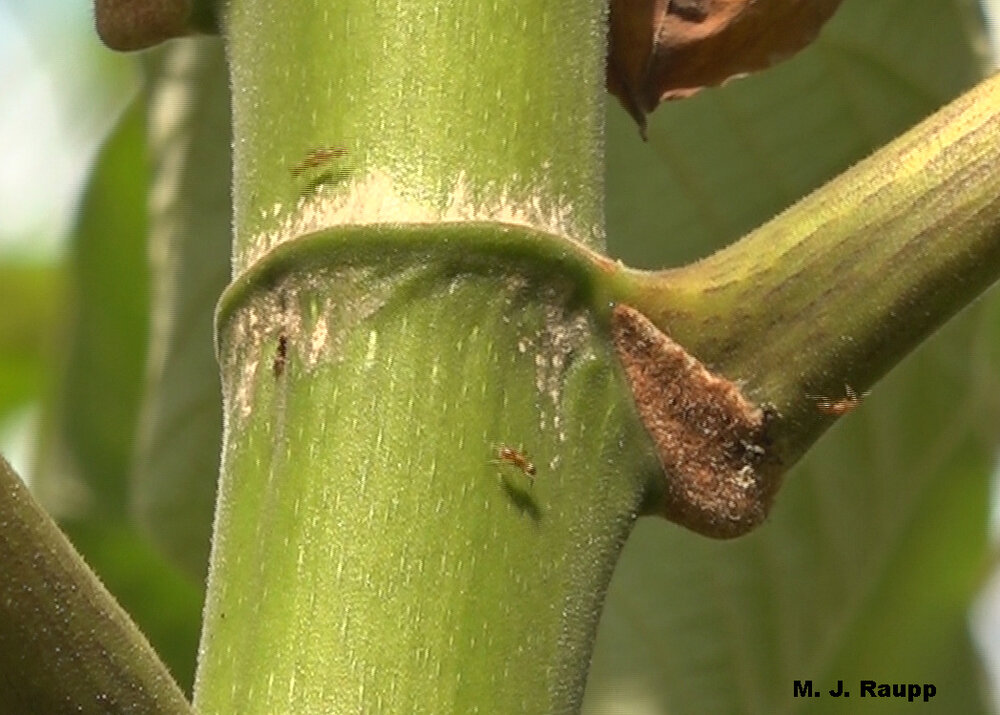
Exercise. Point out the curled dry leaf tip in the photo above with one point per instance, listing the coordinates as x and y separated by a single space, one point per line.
670 49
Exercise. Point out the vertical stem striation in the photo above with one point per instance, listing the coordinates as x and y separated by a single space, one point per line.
374 551
386 338
404 111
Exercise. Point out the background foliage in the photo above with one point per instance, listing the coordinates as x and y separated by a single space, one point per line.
876 546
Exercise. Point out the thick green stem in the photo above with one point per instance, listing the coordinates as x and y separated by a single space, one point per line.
373 553
65 645
450 111
382 544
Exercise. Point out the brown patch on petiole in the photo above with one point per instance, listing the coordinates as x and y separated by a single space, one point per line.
712 442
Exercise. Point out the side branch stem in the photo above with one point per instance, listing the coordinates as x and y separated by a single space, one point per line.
826 298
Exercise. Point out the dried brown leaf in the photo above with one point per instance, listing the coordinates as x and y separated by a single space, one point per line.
670 49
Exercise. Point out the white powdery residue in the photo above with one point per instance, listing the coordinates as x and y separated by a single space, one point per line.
372 345
251 329
518 208
242 348
375 199
317 341
245 387
540 371
561 336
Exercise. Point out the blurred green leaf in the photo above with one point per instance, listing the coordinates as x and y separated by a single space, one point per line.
177 460
26 332
89 425
878 541
89 421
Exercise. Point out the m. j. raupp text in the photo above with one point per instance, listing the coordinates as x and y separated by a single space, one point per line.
868 689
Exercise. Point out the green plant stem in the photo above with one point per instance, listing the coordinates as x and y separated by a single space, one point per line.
840 287
65 645
385 338
447 112
372 553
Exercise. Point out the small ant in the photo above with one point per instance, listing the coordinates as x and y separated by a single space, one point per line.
318 157
518 459
839 407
